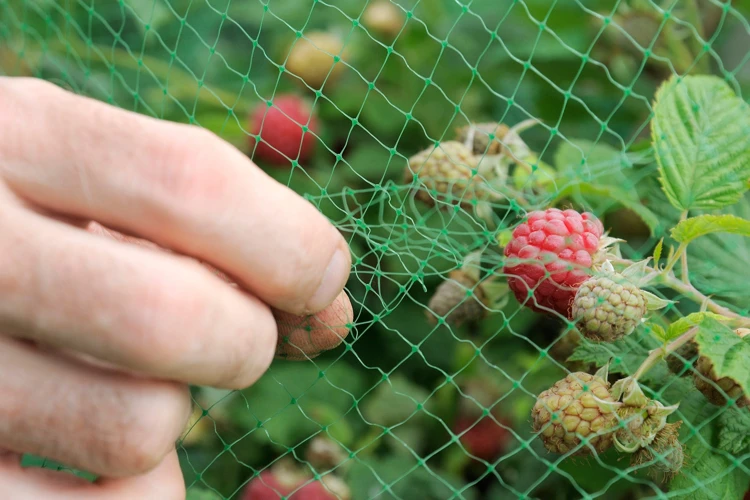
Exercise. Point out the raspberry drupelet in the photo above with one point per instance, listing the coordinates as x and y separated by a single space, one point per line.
551 254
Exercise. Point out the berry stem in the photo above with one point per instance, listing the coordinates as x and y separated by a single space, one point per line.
692 293
662 352
685 276
469 142
673 260
667 278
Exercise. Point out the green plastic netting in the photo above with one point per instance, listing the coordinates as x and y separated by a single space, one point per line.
413 405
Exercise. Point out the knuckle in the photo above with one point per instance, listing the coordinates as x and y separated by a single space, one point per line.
147 427
14 99
293 278
170 304
179 316
42 89
34 86
6 98
20 92
303 269
252 352
185 177
14 262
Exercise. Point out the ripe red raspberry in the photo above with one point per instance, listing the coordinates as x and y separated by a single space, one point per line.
280 128
486 438
270 485
275 485
551 254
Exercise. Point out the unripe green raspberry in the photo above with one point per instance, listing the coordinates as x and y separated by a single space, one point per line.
576 407
607 310
665 454
447 173
641 424
708 382
452 302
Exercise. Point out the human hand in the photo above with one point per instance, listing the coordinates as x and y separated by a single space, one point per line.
99 338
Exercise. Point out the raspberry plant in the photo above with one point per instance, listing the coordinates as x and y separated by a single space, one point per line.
562 263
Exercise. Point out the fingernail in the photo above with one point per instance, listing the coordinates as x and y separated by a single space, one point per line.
334 279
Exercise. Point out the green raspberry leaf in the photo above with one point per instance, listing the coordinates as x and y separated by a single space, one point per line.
624 355
734 431
657 252
595 162
694 227
708 475
657 331
708 472
636 272
701 134
727 351
715 259
684 324
654 302
595 171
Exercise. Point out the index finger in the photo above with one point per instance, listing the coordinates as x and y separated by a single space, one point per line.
176 185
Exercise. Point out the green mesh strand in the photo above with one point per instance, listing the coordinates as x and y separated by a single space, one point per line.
391 394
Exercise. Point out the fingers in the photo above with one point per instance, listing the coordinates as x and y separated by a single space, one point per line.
305 337
299 337
165 482
88 418
150 312
176 185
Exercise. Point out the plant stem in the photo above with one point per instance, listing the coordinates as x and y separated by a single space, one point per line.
683 255
674 258
668 279
469 141
693 294
662 352
684 272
